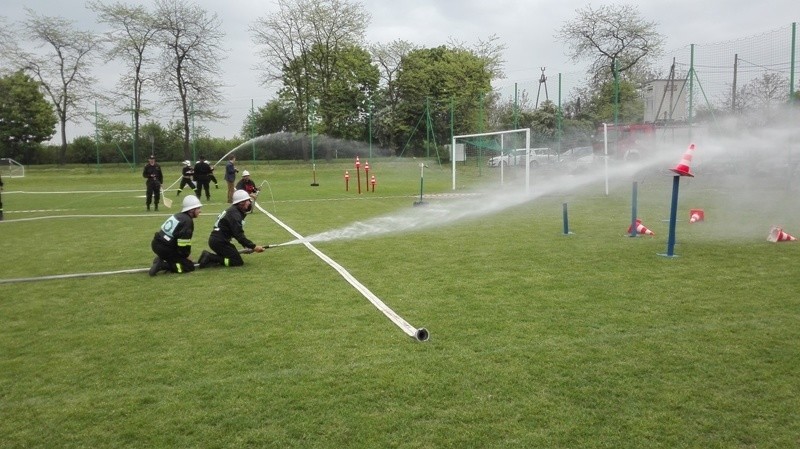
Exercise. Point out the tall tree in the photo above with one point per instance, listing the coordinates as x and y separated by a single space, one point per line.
305 37
383 104
64 70
190 72
132 34
435 81
611 35
26 116
342 105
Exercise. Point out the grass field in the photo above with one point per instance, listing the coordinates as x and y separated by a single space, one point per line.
537 339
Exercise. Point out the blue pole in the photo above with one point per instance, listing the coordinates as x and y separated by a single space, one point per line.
634 202
673 214
566 219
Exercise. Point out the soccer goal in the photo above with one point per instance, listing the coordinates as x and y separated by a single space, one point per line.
9 168
495 149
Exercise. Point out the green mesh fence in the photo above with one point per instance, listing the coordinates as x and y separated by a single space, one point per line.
747 74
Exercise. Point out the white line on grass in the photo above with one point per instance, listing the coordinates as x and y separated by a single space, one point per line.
420 334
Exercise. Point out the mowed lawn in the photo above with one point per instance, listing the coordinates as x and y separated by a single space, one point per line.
537 339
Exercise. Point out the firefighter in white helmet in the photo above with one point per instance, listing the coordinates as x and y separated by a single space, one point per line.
247 185
187 172
173 242
229 225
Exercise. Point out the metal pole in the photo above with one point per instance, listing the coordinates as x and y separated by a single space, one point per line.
566 218
605 147
253 127
194 146
791 70
96 137
634 202
673 214
370 129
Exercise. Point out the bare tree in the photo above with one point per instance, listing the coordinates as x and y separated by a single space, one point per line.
191 39
288 36
131 37
63 68
767 91
6 45
490 50
611 35
388 57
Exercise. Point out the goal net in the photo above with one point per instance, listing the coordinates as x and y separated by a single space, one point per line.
493 149
9 168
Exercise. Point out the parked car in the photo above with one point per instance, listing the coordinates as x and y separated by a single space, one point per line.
580 159
539 156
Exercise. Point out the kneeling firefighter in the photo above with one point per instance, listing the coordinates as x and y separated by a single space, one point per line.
230 225
173 242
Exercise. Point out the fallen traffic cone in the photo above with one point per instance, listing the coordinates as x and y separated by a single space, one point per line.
776 234
696 215
683 166
640 228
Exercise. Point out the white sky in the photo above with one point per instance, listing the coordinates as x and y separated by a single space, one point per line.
526 27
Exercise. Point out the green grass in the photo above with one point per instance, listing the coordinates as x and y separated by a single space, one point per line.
538 339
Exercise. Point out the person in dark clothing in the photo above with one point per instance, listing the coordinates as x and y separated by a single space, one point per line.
186 177
229 225
247 185
213 178
173 242
230 176
154 179
202 175
1 198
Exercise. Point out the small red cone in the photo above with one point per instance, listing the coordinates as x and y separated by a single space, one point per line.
696 215
640 228
683 166
776 234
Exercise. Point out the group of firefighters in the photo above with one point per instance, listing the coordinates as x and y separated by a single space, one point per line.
172 243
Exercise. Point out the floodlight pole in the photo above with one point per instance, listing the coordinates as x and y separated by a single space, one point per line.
605 149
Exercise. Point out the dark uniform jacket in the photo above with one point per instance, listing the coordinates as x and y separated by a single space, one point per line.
230 224
247 185
187 173
176 232
202 171
153 174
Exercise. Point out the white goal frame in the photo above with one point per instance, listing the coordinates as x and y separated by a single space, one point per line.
502 134
7 172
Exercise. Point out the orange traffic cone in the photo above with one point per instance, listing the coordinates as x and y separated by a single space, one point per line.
640 228
683 166
776 234
696 215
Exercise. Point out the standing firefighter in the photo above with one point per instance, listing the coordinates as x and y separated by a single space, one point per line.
202 174
1 199
229 225
154 179
173 242
230 176
187 172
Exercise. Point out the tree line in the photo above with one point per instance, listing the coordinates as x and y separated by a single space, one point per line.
331 81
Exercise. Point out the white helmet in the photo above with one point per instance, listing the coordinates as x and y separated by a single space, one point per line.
245 173
239 196
187 163
190 202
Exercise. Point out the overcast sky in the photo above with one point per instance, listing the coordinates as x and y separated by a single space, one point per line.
526 27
